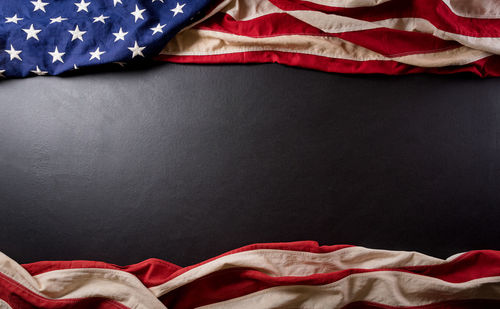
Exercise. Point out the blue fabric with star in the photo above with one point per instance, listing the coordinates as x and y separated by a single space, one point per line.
39 37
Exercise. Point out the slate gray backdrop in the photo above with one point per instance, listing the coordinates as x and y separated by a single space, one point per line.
184 162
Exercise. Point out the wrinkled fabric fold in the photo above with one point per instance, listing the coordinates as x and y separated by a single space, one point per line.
274 275
389 37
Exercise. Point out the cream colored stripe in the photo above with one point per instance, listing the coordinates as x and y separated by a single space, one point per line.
348 3
279 263
244 10
457 56
464 8
389 288
331 24
4 305
217 9
249 9
207 42
474 8
487 44
112 284
16 272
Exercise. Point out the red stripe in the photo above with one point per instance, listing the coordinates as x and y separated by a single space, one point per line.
153 272
457 304
395 43
273 24
216 287
19 297
468 266
489 66
388 42
390 9
303 246
231 283
435 11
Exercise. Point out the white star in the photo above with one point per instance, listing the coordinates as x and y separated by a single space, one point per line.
137 13
56 55
57 19
32 33
75 67
14 19
39 72
39 5
82 6
122 64
100 18
96 54
158 28
1 73
14 54
120 35
117 1
157 0
178 8
77 34
136 50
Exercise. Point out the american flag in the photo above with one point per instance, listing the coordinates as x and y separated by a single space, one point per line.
349 36
353 36
53 36
276 275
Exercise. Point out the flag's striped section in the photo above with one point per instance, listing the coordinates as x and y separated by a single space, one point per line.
391 288
282 275
355 36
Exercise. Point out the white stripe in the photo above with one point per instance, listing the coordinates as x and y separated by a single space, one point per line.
348 3
116 285
16 272
487 44
196 42
249 9
474 8
217 9
244 10
457 56
391 288
208 42
280 263
332 24
4 305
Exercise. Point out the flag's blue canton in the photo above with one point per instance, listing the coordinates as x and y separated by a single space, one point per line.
52 36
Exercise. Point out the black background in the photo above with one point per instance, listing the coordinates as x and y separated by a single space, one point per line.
184 162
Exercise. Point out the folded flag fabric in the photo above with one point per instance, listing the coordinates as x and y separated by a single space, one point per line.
350 36
279 275
52 36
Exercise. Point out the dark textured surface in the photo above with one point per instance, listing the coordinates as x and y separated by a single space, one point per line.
184 162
